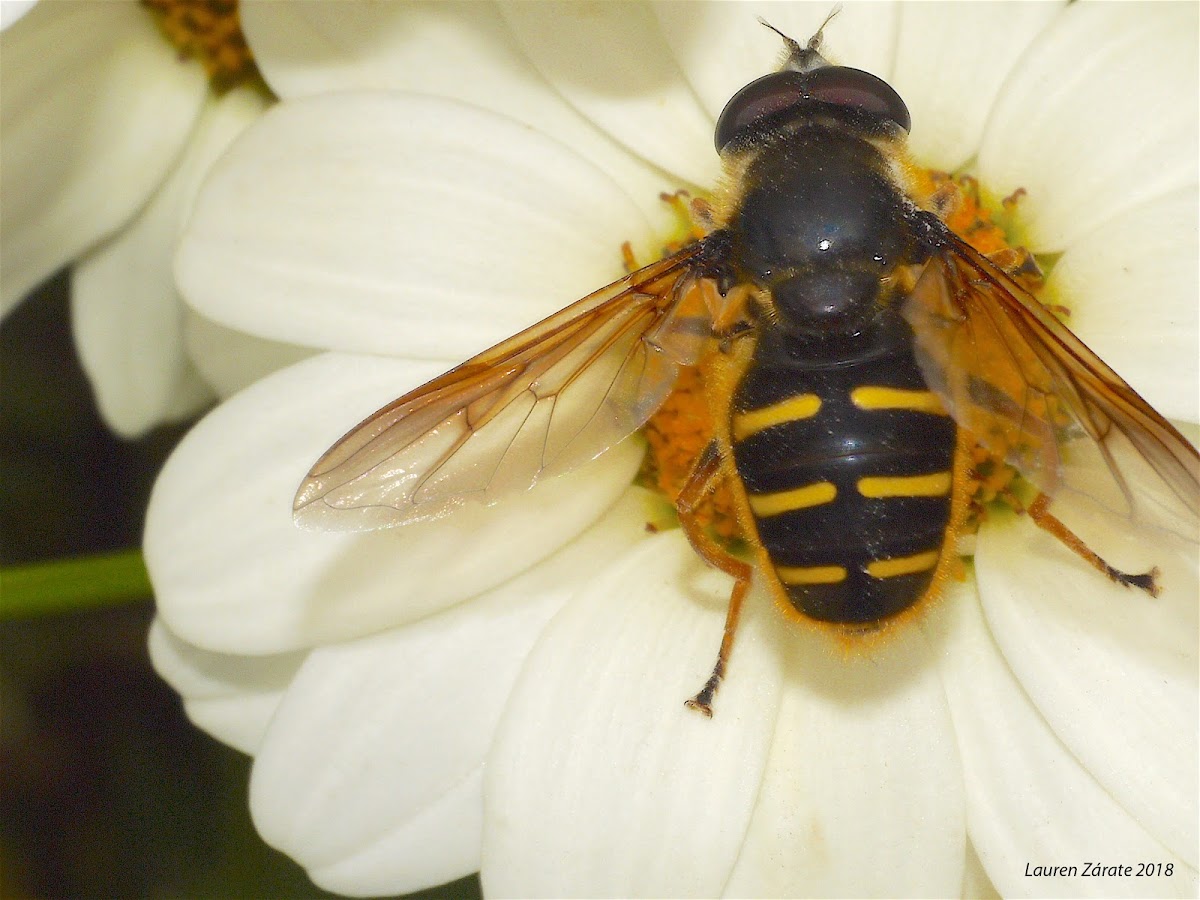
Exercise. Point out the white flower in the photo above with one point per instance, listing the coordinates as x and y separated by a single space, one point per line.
106 133
503 689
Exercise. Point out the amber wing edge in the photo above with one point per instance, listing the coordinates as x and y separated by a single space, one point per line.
534 405
976 328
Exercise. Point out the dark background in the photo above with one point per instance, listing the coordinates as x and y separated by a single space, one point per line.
106 790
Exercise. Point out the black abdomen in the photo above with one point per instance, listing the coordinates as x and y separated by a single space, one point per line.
846 459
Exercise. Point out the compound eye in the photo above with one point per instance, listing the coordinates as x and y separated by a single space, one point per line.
856 89
760 98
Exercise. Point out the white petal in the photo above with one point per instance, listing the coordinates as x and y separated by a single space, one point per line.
12 10
233 573
232 360
863 766
231 697
648 106
125 314
1029 801
722 47
1099 116
398 224
461 51
601 782
377 739
1131 289
976 884
1112 670
440 843
951 59
94 109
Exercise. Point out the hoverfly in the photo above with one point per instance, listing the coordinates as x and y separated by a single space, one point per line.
853 346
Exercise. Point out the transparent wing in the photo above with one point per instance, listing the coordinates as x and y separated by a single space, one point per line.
536 405
1033 393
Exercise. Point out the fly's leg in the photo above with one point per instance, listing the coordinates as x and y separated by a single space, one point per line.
694 213
706 475
1019 265
1039 511
696 220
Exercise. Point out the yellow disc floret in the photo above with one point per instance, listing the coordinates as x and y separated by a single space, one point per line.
209 31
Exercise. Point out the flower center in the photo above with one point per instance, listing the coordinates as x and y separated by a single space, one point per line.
986 226
210 31
683 426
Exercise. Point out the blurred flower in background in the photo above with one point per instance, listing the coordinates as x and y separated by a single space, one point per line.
106 127
106 130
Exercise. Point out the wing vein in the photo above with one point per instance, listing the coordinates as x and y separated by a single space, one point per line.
533 406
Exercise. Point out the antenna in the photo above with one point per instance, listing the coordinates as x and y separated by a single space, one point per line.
804 59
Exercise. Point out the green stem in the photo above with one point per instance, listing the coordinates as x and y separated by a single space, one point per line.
73 585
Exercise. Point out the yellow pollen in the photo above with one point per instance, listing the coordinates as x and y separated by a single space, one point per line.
677 434
210 31
980 221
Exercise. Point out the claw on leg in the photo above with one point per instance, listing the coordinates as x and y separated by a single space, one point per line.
702 702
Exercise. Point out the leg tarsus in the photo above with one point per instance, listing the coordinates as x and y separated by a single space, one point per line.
702 702
628 258
1039 511
705 477
1147 581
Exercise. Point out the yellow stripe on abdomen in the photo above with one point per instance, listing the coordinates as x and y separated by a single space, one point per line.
934 485
817 494
802 406
903 565
810 574
873 397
